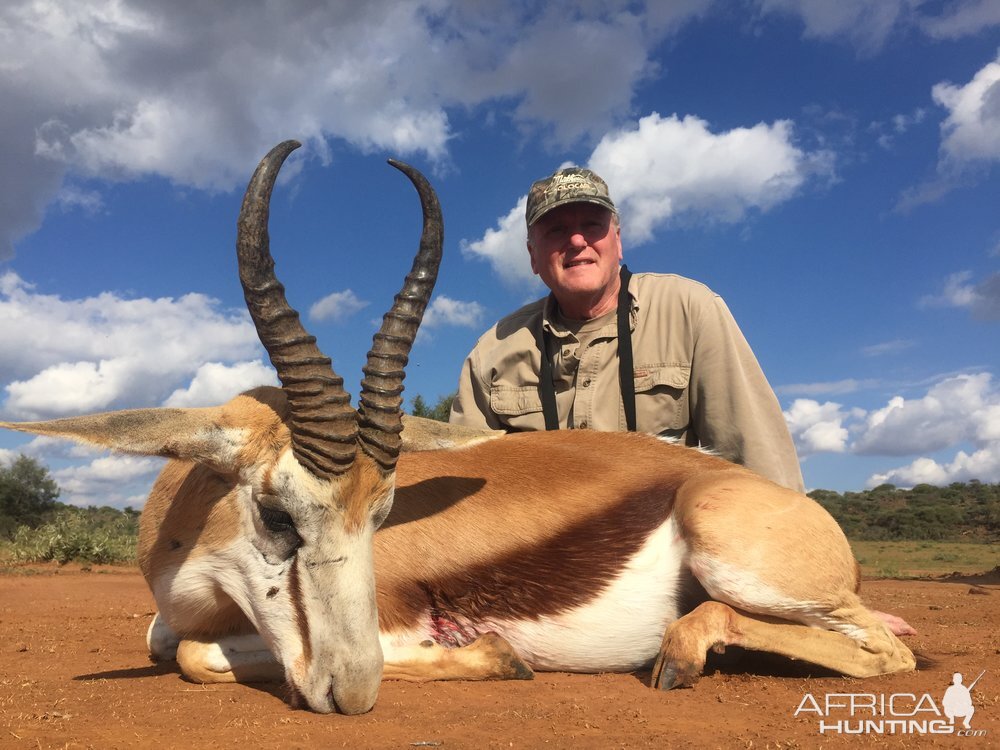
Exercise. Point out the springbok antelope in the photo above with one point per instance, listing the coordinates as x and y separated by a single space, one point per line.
494 555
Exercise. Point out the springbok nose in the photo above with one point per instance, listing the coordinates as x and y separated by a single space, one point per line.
356 700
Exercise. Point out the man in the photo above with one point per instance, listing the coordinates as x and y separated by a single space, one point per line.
607 350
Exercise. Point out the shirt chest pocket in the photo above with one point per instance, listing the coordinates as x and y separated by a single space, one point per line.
518 408
661 398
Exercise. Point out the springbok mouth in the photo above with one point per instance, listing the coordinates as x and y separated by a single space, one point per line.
295 698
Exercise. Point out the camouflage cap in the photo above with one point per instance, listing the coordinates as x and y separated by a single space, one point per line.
569 185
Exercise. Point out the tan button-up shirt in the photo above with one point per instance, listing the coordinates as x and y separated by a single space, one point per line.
696 379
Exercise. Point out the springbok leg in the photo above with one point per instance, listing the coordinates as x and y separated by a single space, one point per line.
235 658
713 625
489 657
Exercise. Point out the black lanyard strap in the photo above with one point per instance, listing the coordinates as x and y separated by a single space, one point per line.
547 389
626 377
626 370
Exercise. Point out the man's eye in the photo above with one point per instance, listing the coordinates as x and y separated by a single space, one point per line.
276 520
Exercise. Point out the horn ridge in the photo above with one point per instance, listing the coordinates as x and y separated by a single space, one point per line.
380 408
315 392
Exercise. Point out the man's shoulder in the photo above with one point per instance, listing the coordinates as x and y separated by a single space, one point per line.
522 321
524 318
661 287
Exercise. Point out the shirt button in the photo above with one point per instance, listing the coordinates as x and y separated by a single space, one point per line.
586 383
583 425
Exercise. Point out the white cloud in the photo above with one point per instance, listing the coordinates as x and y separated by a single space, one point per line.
445 311
337 306
64 356
899 125
888 347
48 449
113 480
982 299
668 168
504 247
983 464
971 132
865 22
962 18
70 197
868 23
832 387
817 427
194 92
72 387
970 136
903 122
956 292
956 410
216 383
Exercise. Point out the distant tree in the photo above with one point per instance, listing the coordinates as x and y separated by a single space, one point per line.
27 494
420 408
968 512
440 411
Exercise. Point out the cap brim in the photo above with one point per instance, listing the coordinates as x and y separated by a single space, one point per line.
594 199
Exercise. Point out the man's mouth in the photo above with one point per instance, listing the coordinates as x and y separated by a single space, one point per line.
579 262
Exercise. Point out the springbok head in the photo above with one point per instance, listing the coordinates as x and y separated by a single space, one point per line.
310 477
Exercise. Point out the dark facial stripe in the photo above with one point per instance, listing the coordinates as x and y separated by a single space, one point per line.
295 593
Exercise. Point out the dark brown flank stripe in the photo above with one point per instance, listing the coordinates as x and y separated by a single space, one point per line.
295 592
555 577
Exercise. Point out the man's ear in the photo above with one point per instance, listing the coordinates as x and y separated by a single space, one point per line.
531 255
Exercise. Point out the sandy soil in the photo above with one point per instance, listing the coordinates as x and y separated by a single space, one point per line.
74 673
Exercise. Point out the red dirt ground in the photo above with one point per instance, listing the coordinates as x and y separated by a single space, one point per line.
74 673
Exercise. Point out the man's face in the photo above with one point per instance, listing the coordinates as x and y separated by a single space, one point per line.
576 250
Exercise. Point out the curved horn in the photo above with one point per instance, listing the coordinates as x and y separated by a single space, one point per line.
380 410
323 423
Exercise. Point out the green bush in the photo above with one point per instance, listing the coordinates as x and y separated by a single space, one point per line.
27 495
440 411
75 535
966 512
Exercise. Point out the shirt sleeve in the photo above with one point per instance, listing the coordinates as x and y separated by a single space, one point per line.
733 409
471 406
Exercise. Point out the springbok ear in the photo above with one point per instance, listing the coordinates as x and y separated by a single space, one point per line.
194 434
420 434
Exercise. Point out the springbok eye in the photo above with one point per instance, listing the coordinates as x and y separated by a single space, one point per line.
277 521
279 538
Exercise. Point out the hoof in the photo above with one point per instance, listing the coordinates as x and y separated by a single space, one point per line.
521 671
668 676
666 680
510 666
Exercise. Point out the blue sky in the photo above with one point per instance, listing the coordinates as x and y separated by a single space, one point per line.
830 169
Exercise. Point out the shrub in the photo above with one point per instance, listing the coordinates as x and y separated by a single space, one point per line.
74 535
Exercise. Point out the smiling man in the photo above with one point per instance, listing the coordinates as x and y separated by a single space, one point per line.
608 350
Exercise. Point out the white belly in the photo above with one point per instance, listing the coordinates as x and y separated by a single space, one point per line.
621 629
